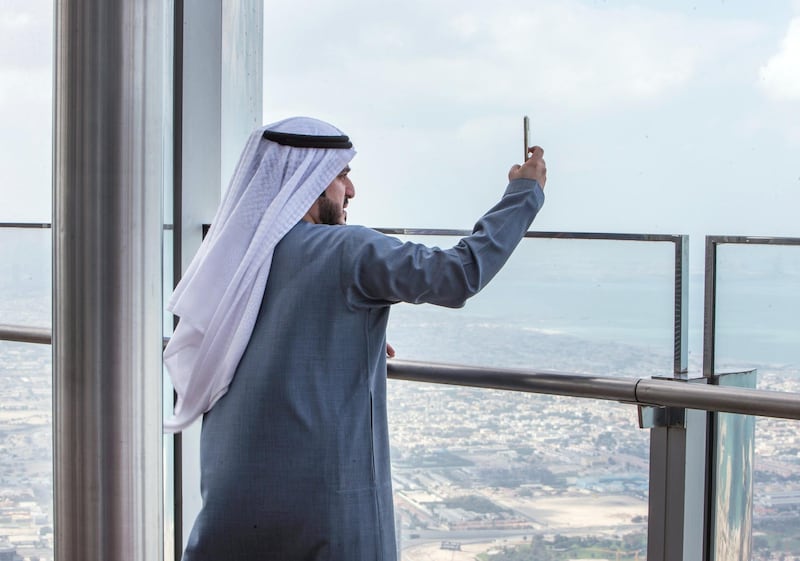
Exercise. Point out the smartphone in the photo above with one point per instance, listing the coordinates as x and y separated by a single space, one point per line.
526 132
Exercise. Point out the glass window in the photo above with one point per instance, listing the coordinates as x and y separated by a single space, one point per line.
655 117
26 472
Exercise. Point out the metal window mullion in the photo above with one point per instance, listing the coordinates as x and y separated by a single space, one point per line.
107 228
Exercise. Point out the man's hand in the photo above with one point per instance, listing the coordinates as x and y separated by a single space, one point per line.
533 168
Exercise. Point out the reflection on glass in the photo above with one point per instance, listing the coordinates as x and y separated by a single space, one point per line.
758 326
733 477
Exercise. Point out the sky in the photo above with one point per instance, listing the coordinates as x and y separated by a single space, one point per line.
659 117
656 117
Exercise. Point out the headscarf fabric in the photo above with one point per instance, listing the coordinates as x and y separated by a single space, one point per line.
219 295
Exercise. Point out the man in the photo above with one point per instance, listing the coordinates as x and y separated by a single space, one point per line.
284 348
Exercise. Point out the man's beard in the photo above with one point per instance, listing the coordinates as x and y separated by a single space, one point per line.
330 213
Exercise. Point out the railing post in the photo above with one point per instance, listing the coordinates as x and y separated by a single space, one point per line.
677 450
677 481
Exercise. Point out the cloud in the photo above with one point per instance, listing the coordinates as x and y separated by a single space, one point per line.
26 35
26 86
480 54
780 75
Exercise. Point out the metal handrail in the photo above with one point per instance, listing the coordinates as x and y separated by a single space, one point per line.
42 225
659 392
25 225
25 334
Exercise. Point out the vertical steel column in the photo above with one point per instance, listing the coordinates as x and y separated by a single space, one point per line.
677 451
665 520
107 226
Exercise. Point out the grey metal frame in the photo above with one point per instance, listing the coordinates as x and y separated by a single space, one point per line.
681 284
709 373
710 290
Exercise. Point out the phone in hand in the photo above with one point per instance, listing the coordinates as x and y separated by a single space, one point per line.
526 132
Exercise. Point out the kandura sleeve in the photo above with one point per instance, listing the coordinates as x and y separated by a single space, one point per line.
386 271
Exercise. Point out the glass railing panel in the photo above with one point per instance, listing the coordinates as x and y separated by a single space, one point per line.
501 474
486 474
758 309
597 306
758 327
26 451
25 276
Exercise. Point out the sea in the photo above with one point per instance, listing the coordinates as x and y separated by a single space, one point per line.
588 292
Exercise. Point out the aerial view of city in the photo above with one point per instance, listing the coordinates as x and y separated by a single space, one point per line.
478 474
668 247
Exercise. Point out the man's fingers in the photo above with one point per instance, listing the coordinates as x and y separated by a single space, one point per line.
536 152
533 168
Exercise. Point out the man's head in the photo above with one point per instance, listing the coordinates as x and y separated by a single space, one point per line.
301 135
330 207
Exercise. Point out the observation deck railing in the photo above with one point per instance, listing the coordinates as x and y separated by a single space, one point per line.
636 391
669 496
658 392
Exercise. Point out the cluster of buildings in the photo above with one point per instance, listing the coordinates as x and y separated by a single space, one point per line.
516 450
26 466
465 460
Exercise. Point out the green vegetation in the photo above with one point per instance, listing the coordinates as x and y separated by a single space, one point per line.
561 548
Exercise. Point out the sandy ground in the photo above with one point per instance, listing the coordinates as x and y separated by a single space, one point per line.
598 514
579 511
